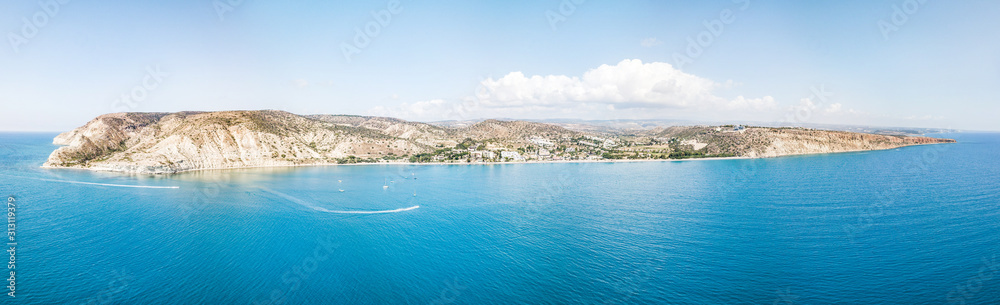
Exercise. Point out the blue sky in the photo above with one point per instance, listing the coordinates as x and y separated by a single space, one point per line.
790 61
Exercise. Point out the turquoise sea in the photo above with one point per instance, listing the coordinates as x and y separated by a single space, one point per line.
915 225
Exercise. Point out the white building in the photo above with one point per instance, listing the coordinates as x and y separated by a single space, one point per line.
483 154
541 142
512 155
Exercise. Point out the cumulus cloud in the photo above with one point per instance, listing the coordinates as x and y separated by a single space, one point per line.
435 109
834 108
630 83
764 103
630 86
650 42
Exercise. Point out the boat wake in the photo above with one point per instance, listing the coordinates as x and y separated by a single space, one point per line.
109 184
321 209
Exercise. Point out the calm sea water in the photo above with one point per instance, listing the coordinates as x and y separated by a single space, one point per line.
903 226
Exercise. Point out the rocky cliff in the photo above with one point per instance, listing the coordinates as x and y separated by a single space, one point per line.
167 143
762 142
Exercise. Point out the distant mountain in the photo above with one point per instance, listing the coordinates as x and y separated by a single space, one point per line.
173 142
626 126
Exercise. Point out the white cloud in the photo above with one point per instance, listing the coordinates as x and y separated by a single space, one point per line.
764 103
423 110
650 42
630 88
834 108
301 83
630 83
925 117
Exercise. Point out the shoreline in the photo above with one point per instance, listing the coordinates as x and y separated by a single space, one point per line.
488 163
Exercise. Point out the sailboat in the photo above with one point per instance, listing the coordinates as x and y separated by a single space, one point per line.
385 186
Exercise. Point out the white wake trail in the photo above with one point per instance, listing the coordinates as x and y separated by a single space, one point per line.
314 207
109 184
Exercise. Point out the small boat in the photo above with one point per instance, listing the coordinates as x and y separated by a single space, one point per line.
385 185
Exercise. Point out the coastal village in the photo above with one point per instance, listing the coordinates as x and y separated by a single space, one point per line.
570 148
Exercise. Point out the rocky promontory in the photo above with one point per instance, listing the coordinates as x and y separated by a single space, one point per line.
156 143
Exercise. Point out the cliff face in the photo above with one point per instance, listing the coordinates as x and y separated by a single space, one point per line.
763 142
167 143
797 141
172 142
